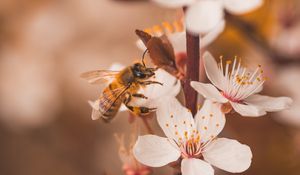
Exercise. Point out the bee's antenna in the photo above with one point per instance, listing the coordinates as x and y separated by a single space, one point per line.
143 58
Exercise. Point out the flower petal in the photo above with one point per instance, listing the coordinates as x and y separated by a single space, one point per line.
196 167
155 151
210 120
174 119
203 16
270 104
212 71
213 34
95 109
155 92
178 40
248 110
208 91
240 7
229 155
173 3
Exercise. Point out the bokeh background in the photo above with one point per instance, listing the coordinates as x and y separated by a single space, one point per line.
45 125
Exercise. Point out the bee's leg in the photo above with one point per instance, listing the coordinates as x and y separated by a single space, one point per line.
140 96
134 109
149 82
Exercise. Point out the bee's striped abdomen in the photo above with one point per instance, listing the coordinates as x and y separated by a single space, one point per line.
110 102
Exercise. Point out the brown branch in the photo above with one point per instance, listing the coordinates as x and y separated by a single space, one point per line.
192 74
258 40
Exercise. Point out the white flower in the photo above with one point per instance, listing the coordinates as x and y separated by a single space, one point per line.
237 88
193 141
286 78
204 15
154 92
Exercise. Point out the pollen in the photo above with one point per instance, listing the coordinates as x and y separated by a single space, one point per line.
175 126
157 29
148 30
211 115
167 125
258 79
228 62
205 127
176 133
203 117
217 125
191 125
168 27
184 122
185 133
178 26
198 106
171 116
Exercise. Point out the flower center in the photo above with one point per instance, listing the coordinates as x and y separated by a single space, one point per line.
231 98
238 82
191 149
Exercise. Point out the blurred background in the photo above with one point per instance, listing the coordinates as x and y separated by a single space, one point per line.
45 124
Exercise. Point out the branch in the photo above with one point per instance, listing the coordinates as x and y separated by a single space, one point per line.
192 74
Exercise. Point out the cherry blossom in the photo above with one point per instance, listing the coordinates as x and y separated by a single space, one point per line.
237 88
193 141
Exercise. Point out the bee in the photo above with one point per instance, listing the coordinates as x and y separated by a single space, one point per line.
124 86
160 50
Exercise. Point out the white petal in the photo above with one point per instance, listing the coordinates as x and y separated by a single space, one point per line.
212 71
174 118
212 35
174 3
270 104
242 6
203 16
155 92
248 110
229 155
95 109
178 40
210 120
196 167
155 151
208 91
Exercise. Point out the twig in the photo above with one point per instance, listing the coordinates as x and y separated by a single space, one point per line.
249 31
192 74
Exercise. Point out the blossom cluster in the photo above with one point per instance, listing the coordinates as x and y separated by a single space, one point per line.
193 141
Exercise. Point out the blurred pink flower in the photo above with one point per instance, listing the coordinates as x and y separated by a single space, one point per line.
238 88
130 165
193 141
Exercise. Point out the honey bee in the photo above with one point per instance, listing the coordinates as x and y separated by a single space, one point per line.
160 50
124 86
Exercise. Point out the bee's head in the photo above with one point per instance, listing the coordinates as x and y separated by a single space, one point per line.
142 72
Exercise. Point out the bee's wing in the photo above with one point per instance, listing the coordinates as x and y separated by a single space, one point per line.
99 76
105 102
